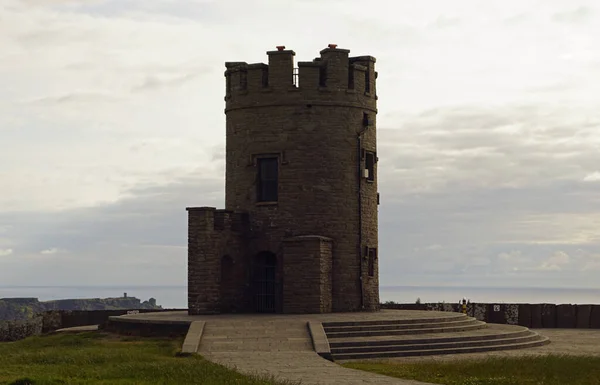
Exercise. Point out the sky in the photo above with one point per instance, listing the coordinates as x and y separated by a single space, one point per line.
112 122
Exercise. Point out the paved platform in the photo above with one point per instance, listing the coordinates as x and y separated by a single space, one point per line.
182 316
279 345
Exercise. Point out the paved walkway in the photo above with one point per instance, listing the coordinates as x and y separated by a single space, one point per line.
280 348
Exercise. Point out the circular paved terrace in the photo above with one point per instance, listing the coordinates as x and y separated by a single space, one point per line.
280 345
182 316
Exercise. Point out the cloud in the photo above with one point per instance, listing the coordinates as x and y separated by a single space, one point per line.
557 261
83 97
153 82
592 177
5 252
50 251
506 146
578 15
487 133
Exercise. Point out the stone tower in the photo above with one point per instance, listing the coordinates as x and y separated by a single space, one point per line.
299 230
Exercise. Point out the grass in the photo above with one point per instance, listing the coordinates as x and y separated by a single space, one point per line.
540 370
101 358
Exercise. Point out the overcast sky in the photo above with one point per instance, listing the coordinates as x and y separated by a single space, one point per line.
111 123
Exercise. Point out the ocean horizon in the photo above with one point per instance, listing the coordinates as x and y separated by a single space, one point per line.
176 296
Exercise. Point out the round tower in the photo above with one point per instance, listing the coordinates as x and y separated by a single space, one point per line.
301 160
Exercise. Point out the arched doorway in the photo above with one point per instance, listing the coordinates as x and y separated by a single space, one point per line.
265 282
227 284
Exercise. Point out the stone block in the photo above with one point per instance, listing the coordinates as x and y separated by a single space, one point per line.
319 340
565 316
536 316
548 315
479 311
583 313
595 317
193 337
525 315
470 309
511 314
496 313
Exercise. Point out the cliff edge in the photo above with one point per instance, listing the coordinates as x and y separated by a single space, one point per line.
26 308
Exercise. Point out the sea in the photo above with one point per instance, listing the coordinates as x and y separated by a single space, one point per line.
175 297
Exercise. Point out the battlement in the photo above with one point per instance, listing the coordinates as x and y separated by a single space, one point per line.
333 72
212 219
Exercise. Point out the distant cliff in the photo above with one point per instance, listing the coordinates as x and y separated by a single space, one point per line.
25 308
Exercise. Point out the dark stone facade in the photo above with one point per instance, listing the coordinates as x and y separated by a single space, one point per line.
300 236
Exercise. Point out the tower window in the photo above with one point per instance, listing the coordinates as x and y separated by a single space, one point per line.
370 165
268 177
372 258
368 80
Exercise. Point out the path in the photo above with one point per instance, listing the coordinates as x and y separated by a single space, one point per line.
281 348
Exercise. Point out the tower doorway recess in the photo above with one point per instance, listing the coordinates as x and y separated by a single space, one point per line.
265 282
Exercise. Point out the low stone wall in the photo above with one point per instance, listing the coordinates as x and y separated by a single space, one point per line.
142 328
17 330
59 319
49 321
536 316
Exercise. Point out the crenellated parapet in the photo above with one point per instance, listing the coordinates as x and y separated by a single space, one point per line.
210 219
334 78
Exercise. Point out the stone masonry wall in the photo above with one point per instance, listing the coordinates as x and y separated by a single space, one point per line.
326 271
212 236
307 275
17 330
313 129
537 316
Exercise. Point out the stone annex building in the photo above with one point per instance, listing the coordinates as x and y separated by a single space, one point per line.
299 230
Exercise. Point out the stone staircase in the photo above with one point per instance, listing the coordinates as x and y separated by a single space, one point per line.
452 334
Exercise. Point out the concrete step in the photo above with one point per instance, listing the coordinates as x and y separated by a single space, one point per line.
445 318
488 334
540 341
388 326
447 328
435 345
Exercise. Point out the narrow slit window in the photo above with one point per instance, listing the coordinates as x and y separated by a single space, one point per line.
366 120
243 80
370 165
323 76
367 81
372 258
268 178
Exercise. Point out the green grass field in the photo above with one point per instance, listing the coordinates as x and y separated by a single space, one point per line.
99 358
542 370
